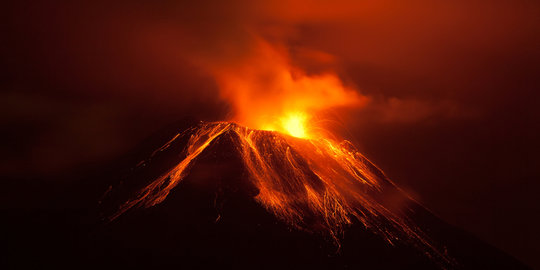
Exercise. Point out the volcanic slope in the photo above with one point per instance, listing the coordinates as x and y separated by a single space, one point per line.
223 194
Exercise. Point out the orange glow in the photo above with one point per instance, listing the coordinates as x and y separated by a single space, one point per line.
295 124
266 92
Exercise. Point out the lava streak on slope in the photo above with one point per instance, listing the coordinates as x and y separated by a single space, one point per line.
314 184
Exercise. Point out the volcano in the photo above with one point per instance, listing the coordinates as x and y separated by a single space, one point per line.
221 195
224 196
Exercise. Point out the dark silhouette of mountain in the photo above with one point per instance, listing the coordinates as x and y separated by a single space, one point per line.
210 220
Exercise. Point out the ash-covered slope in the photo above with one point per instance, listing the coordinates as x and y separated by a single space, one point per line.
313 184
223 195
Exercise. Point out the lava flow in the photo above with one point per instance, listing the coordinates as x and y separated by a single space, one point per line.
316 184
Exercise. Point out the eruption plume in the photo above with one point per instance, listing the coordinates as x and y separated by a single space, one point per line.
267 92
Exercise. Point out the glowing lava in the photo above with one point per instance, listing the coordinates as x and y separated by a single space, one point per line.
295 124
318 184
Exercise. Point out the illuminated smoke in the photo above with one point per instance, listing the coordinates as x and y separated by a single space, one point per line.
267 92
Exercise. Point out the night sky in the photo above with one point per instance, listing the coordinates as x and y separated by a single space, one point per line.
452 88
